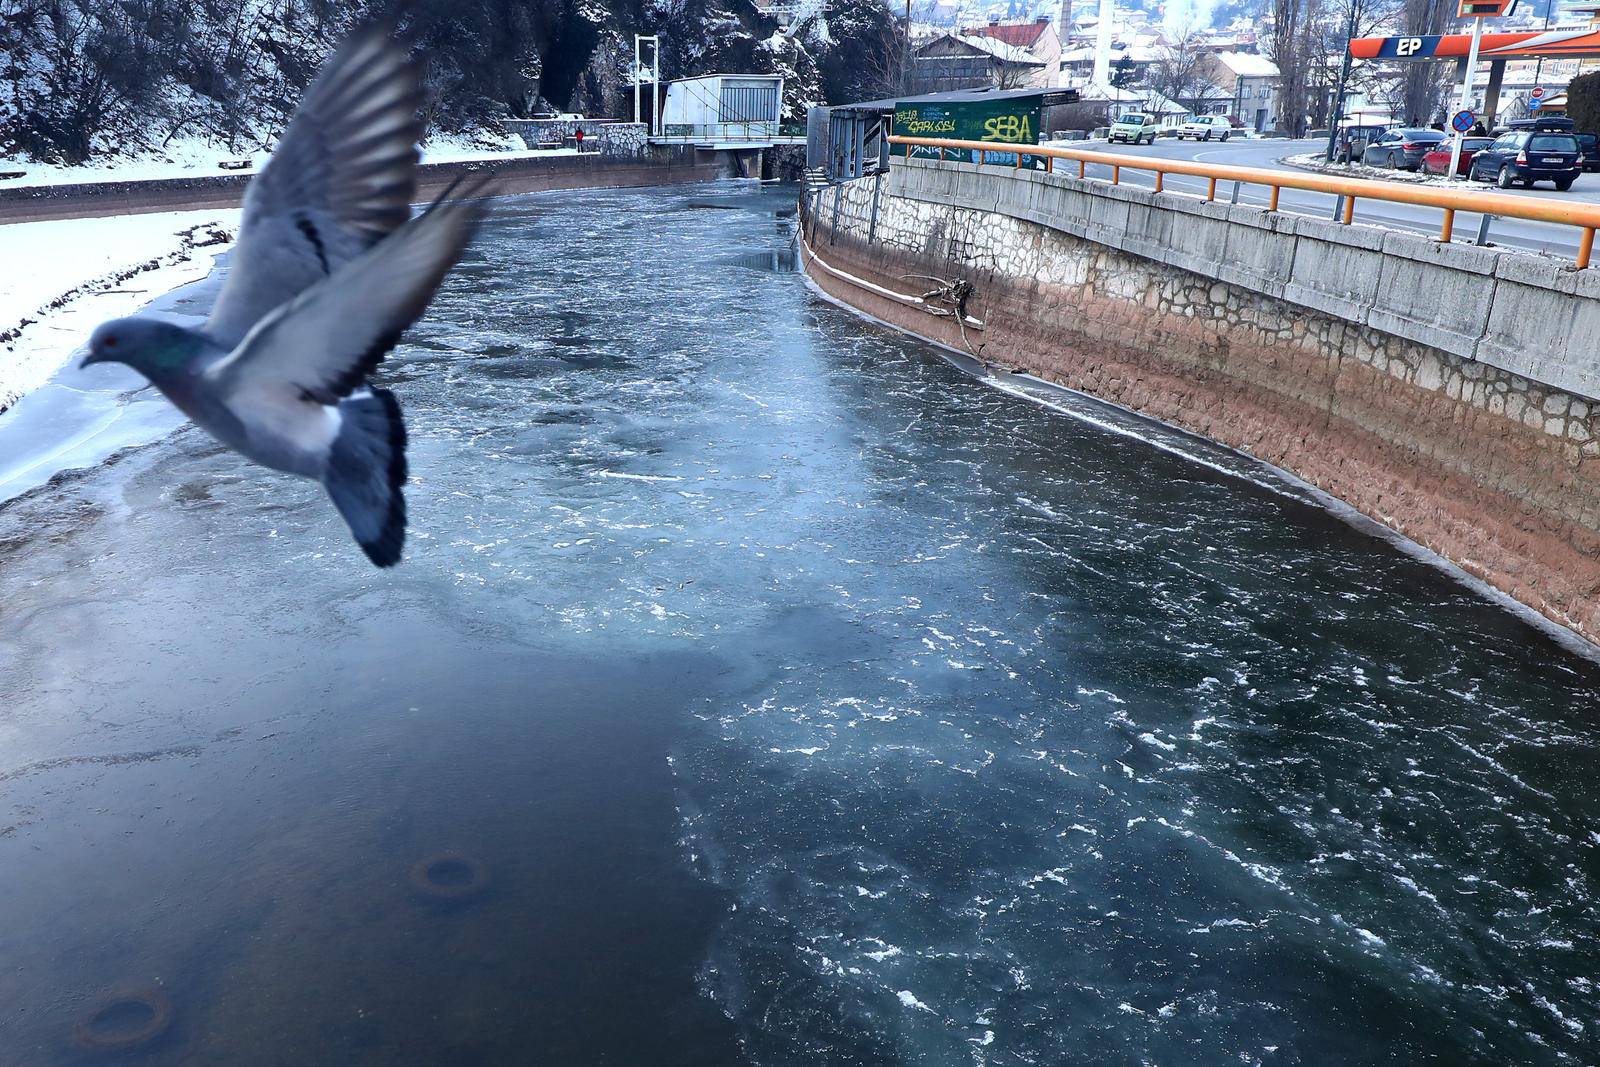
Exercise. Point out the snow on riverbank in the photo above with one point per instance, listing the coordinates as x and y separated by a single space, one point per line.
195 159
65 277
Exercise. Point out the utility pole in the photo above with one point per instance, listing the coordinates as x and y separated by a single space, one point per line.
905 65
1351 28
655 79
1538 66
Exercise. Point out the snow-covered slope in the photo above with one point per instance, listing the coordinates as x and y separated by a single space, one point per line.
79 272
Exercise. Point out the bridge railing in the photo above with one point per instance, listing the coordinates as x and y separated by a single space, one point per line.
1586 217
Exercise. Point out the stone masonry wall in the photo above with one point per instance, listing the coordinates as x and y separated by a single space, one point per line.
1495 471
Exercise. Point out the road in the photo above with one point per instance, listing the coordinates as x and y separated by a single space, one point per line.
1506 233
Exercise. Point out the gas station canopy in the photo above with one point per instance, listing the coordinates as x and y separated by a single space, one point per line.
1528 44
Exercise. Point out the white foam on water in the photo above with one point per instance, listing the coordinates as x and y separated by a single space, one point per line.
909 999
638 477
1160 435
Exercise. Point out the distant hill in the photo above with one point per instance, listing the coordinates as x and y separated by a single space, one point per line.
91 78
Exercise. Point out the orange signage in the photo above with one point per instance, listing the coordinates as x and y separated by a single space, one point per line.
1583 42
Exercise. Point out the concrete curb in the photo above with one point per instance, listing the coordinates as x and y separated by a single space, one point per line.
1339 170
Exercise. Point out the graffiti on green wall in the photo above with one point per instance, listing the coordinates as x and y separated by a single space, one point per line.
1012 121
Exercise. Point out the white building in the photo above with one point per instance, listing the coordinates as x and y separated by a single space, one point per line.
720 110
1251 81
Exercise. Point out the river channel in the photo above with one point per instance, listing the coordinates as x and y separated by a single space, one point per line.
761 688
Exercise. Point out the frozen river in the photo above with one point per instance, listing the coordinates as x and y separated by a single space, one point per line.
791 697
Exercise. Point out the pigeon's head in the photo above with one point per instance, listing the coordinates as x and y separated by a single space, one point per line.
150 346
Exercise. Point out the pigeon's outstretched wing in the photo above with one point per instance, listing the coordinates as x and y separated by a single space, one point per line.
322 345
342 178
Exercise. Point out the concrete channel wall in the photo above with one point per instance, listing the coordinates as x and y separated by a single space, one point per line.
523 174
1449 392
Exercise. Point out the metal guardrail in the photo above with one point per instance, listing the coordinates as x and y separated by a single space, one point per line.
1584 216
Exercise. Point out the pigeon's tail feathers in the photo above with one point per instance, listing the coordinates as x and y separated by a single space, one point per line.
366 473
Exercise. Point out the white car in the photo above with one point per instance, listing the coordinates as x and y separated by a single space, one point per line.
1205 127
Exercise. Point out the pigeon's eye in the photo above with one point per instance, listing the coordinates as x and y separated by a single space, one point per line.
109 342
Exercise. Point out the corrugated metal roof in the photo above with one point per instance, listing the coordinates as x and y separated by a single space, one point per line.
956 96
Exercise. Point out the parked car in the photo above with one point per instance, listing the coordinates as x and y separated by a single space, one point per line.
1205 127
1401 148
1437 159
1589 145
1353 140
1529 156
1134 128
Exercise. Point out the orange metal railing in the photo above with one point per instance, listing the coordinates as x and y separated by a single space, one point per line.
1586 217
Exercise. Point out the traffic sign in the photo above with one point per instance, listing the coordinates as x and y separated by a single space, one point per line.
1538 92
1462 121
1534 105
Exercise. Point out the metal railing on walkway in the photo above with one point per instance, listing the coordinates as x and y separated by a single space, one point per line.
1586 217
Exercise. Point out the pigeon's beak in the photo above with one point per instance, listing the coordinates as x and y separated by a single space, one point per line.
92 357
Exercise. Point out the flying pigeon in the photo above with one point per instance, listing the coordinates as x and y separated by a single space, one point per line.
329 270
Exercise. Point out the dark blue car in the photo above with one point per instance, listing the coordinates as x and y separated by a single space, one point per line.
1525 156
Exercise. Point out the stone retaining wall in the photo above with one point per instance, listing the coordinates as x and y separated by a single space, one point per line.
605 136
1392 372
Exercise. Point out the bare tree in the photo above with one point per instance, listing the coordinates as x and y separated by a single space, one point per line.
886 67
1423 86
1342 22
1176 71
1292 47
1077 116
1004 74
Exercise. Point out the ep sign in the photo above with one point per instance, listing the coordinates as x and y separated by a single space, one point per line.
1407 46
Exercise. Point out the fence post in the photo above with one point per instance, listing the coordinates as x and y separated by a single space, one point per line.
1585 248
872 224
1448 226
833 231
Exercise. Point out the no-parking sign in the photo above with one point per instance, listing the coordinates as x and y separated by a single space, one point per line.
1462 121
